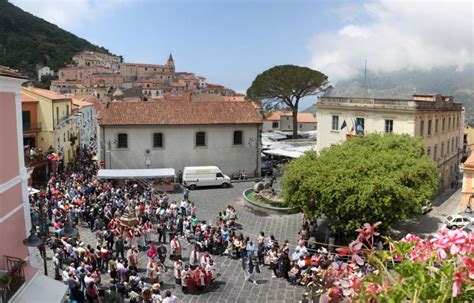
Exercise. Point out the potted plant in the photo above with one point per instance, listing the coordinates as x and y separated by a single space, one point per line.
5 280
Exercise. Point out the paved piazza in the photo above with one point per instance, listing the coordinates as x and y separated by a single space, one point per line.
230 286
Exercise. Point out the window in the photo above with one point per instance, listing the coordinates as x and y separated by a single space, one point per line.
449 123
200 139
428 151
388 126
122 141
442 150
422 128
335 123
447 147
435 153
359 126
452 145
429 127
157 140
26 118
67 109
219 175
275 124
301 126
238 137
436 126
443 124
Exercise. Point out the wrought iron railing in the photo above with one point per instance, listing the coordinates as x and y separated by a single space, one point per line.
15 269
28 127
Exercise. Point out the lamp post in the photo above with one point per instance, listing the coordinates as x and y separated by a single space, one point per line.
39 218
109 143
258 145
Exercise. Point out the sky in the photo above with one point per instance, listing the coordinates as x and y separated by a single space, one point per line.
231 41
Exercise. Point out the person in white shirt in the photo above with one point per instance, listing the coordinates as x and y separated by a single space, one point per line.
175 249
210 269
205 259
169 298
194 258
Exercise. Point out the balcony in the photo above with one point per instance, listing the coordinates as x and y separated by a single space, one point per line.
16 278
35 159
29 128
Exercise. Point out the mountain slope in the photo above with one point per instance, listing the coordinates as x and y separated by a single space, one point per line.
27 41
404 83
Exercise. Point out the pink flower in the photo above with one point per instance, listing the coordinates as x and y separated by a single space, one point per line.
458 279
354 249
456 241
469 263
368 231
373 289
409 238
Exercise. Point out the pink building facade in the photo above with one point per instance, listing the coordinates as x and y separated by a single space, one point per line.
15 222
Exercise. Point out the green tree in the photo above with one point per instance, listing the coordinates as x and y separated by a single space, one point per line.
374 178
287 85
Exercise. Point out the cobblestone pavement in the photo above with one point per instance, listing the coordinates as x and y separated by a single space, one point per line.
230 286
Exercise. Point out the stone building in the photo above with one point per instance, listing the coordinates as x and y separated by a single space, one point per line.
434 118
168 134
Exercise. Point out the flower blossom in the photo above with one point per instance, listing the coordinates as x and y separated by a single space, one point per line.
368 231
354 249
469 264
458 279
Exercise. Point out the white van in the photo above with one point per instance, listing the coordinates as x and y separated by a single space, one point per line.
195 176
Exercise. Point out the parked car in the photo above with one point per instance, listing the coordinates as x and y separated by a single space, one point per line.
455 221
196 176
427 207
266 169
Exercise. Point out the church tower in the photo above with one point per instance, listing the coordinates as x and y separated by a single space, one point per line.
170 63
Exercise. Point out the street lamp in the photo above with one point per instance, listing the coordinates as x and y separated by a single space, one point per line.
33 240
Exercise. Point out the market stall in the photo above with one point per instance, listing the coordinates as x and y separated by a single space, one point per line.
163 179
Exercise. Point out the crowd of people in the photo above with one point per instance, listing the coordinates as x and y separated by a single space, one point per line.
130 217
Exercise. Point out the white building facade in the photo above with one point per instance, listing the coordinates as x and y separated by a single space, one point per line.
44 71
190 134
434 118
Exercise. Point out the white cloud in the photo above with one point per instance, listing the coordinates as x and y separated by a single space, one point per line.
69 14
398 34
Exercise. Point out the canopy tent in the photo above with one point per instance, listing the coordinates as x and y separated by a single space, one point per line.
283 153
41 289
150 173
32 191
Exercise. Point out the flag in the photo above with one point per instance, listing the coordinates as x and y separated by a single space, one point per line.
352 128
344 124
358 127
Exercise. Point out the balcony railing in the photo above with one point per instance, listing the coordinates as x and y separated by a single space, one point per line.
31 127
15 269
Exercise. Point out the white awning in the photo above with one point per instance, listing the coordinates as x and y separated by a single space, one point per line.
42 289
135 173
283 153
32 191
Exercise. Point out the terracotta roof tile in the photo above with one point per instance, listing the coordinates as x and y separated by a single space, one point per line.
306 118
45 93
26 98
179 113
9 72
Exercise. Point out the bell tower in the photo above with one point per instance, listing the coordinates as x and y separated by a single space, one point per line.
170 63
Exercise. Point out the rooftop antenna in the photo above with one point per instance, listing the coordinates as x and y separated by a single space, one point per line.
365 79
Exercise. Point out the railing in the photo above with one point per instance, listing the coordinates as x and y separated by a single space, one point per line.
31 127
15 268
30 160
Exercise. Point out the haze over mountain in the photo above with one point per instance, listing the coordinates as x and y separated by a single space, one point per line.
450 81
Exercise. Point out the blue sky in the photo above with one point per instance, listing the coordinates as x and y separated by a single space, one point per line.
231 41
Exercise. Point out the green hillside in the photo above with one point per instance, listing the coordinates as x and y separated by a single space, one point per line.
27 41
